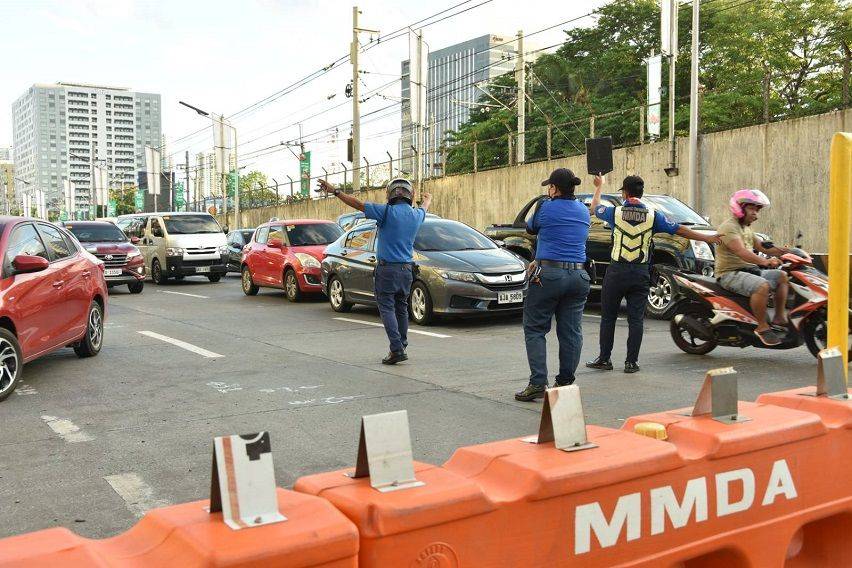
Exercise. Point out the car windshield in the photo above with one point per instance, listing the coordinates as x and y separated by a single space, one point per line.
191 224
450 236
247 235
313 234
676 211
106 233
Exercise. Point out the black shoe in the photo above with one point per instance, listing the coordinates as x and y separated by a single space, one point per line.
531 393
395 357
563 382
630 367
600 365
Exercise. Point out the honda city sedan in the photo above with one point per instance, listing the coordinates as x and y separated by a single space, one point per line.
287 255
459 271
52 295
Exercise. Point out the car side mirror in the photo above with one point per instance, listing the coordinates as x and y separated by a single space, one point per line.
225 229
25 263
275 243
134 240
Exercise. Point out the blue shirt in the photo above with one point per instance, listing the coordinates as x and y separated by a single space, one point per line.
662 224
562 226
398 225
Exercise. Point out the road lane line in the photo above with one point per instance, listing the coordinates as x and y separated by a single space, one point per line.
182 344
184 294
429 333
67 430
137 495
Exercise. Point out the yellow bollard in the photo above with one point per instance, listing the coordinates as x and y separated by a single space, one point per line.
840 182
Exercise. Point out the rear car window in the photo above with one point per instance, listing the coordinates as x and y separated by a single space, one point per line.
361 239
313 234
106 233
262 235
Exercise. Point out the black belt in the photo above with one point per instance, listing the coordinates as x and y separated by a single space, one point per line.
561 264
386 263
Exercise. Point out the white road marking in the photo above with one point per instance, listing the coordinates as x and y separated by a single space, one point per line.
184 294
67 430
25 390
598 316
417 331
137 494
182 344
225 387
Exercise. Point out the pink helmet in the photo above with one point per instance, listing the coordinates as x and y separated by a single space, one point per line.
745 197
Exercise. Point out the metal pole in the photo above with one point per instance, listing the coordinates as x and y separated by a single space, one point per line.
224 159
344 176
672 59
420 102
368 172
356 110
475 158
521 79
641 124
291 185
549 138
237 223
390 164
592 126
186 190
92 184
694 190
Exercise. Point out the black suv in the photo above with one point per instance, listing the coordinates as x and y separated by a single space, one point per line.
672 250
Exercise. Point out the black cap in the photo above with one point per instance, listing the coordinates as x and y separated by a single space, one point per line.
563 178
633 185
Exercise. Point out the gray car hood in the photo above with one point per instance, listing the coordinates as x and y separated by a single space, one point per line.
489 261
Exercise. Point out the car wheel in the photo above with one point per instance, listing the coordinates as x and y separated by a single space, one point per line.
214 277
291 286
337 296
136 287
661 298
420 304
249 287
11 363
91 343
157 276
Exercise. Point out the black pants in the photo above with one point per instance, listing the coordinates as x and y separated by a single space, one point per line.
631 281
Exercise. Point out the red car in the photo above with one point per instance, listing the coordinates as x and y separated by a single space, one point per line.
287 254
123 263
52 295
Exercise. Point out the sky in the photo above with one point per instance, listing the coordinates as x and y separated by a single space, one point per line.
223 56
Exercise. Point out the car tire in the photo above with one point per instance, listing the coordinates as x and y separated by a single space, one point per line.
136 287
157 275
92 342
11 363
661 302
420 306
249 287
214 277
291 286
337 296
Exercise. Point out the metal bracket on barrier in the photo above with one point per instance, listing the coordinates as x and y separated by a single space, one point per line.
562 420
242 484
830 380
718 397
384 452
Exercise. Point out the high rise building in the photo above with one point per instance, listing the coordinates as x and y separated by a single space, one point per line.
5 154
58 129
454 73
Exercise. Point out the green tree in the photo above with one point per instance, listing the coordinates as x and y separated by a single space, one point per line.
125 200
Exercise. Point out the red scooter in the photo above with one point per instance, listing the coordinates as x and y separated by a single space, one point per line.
708 315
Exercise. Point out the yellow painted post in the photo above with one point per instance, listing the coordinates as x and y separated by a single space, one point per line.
840 196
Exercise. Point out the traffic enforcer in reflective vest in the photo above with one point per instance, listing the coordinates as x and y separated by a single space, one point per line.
631 236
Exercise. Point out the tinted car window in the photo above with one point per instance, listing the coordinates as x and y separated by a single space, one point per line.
676 211
262 235
191 224
156 228
361 239
313 234
245 235
106 233
450 236
54 241
24 240
276 232
134 227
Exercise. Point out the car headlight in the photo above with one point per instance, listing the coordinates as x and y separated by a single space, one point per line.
223 249
133 254
701 250
174 251
307 260
92 250
461 276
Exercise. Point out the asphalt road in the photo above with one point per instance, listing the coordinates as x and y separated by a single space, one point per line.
91 444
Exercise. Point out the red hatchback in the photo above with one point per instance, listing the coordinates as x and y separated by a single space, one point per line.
52 295
287 254
123 263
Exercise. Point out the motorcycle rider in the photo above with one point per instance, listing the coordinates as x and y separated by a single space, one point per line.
741 271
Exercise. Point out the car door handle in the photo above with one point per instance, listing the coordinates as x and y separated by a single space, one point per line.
58 284
344 253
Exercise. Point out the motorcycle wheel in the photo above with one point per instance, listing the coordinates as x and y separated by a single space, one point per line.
683 338
815 333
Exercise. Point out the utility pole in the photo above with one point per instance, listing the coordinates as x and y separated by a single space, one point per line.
356 103
672 59
521 79
420 102
92 184
186 191
694 190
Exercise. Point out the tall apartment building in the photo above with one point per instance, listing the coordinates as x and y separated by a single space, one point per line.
454 72
59 128
5 154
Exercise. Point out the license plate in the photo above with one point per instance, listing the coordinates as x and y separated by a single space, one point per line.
112 272
202 269
510 297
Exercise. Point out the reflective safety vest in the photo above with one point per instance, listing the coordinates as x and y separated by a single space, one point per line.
631 236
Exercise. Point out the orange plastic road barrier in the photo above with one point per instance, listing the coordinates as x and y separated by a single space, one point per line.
315 535
835 413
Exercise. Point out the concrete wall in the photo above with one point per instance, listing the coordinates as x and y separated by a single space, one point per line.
788 160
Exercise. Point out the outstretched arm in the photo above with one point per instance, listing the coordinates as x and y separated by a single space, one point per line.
696 236
425 201
735 244
351 201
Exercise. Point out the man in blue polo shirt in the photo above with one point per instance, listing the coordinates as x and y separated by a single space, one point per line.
559 282
398 223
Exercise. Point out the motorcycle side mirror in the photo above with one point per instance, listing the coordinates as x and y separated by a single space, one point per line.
134 240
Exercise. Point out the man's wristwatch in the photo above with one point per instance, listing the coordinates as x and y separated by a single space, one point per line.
336 192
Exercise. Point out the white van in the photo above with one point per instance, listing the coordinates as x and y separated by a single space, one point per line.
176 245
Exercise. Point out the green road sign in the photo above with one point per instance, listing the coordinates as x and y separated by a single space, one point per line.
139 200
180 198
63 215
305 173
93 211
111 208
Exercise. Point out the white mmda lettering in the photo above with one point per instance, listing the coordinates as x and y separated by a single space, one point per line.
664 503
590 517
780 483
